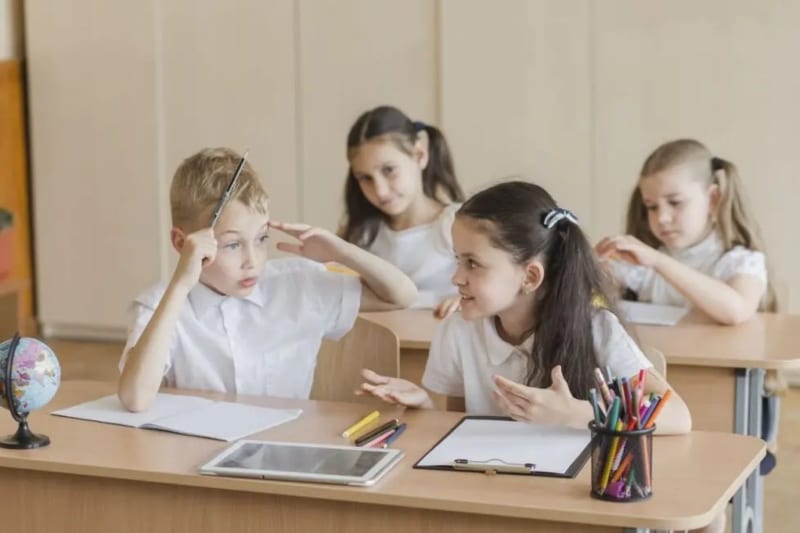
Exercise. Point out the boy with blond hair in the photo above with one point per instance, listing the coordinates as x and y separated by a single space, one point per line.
227 320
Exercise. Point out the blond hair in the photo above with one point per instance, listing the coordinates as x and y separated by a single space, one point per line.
733 218
200 181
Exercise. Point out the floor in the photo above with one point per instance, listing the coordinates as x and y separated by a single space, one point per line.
98 361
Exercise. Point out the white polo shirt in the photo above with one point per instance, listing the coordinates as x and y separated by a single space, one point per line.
425 254
466 354
265 343
708 256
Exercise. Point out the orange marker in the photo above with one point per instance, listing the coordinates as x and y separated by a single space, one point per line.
658 408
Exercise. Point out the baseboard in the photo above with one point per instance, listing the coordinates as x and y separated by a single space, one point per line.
80 332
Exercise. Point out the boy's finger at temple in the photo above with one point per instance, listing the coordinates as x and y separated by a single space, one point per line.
292 248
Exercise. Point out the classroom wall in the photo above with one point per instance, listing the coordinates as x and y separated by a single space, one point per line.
572 94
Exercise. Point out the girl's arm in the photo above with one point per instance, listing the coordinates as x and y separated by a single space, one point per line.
384 285
728 303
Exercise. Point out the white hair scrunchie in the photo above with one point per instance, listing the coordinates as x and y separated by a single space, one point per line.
556 215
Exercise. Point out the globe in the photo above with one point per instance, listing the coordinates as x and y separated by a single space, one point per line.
29 378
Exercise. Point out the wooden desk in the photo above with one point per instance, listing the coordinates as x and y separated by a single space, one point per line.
98 477
704 361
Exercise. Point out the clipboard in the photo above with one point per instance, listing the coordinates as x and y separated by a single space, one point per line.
500 445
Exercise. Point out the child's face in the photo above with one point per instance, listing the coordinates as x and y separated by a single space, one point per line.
390 179
487 278
241 234
679 206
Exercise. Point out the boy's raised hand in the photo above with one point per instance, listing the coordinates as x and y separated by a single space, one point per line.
316 244
627 248
394 390
199 250
553 405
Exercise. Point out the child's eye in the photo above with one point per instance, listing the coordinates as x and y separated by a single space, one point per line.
232 246
675 203
363 179
650 208
388 169
263 238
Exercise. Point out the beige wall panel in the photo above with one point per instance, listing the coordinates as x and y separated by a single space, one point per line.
228 79
93 154
357 54
515 94
718 71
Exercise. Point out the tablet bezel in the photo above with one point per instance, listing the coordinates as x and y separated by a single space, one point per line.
390 458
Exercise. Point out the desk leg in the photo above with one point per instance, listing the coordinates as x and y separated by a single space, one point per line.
748 502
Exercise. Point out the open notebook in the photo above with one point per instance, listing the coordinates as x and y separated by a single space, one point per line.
483 443
188 415
652 314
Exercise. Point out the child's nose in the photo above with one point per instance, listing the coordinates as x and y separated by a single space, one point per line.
458 278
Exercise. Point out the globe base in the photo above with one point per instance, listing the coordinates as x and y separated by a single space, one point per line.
24 439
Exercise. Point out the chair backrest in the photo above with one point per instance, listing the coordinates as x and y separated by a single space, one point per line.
656 357
339 363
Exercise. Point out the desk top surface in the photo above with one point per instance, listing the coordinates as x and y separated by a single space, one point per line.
681 498
769 341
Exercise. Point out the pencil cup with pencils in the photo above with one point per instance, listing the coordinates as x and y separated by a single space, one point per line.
622 463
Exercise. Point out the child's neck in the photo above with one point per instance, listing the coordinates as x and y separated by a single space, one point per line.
422 211
515 325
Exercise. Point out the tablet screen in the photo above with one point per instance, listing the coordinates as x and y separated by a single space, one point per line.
306 459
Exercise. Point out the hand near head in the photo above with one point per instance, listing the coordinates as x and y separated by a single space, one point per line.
394 390
198 250
316 244
447 307
627 248
554 405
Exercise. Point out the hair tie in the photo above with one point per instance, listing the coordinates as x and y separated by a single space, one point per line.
717 163
556 215
419 125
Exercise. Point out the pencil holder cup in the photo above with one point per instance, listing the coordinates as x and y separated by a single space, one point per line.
622 463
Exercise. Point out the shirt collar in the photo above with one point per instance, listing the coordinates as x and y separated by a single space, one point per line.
499 350
710 246
203 299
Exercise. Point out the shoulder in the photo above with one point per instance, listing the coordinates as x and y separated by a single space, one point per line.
741 261
454 329
150 297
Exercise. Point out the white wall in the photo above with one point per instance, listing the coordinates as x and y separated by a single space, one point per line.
571 94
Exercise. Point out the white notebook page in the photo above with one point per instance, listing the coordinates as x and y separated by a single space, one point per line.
653 314
551 448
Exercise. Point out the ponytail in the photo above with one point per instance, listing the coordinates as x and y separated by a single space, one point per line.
439 176
563 331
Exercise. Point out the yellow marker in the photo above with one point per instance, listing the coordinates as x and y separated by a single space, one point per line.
361 424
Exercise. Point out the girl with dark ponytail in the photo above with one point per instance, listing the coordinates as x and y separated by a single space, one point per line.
529 336
401 195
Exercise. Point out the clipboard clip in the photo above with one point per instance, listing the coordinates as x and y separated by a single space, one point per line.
493 466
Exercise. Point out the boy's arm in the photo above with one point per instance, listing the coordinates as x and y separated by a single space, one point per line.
384 286
145 362
144 366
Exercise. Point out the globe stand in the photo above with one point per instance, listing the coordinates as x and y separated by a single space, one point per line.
23 439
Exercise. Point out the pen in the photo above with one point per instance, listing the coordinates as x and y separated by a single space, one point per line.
361 424
228 190
395 434
380 439
493 466
366 437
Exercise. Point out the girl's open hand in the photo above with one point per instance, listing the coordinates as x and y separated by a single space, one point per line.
554 405
394 390
314 243
627 248
447 307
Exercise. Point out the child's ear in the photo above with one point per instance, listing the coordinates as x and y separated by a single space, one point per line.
178 238
714 199
422 150
534 276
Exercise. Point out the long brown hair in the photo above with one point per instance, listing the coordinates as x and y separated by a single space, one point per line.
562 332
362 219
734 220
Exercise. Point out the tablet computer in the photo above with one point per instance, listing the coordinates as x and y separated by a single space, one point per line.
344 465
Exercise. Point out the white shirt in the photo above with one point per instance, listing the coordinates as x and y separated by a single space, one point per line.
424 253
708 256
265 343
465 354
